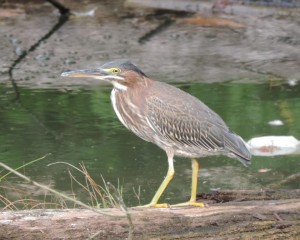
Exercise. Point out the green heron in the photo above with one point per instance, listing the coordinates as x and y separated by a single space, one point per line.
175 121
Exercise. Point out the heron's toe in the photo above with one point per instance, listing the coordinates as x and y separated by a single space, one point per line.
189 203
156 205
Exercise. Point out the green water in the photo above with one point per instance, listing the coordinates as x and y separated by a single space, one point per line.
80 126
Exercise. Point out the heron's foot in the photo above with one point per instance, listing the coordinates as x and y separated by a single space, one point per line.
156 205
189 203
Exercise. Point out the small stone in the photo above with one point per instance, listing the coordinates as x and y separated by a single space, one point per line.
19 51
70 61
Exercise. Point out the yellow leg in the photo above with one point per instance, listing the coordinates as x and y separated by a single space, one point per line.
163 185
192 201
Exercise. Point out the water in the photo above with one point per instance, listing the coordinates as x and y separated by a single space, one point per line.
79 126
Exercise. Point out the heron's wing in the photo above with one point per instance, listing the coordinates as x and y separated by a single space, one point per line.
193 125
181 127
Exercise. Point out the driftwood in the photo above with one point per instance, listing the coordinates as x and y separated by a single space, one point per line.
268 214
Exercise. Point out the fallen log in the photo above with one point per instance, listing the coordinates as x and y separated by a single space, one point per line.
265 214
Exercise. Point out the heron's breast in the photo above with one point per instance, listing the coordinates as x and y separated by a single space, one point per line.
130 112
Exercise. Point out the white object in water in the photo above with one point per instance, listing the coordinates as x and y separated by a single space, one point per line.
292 82
276 122
274 145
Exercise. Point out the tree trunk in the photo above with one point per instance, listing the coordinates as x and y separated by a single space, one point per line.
269 214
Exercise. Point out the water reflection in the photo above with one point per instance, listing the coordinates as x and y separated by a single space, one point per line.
80 126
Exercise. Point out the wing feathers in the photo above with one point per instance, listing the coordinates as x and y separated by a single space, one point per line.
203 129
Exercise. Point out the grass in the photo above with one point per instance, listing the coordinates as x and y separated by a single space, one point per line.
97 196
25 165
17 196
100 196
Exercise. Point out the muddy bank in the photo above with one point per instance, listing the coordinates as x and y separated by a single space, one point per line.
164 46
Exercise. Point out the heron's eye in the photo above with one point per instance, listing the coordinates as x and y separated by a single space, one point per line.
115 70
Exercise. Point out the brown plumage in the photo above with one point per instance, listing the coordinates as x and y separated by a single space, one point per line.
162 114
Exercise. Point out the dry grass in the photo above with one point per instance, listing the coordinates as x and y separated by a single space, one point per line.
100 196
107 195
19 195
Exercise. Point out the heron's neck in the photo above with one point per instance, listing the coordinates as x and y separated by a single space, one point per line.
119 86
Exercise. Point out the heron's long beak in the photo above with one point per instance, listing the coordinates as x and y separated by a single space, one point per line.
96 73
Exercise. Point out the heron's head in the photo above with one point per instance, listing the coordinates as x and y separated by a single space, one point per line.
121 73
